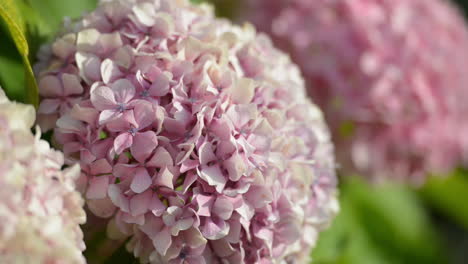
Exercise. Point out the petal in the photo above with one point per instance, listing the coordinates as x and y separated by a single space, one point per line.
194 238
160 86
120 122
206 153
222 248
223 208
121 170
215 230
139 204
214 177
141 182
204 203
156 206
89 66
162 241
122 142
117 198
101 207
145 13
144 114
236 166
110 41
160 159
110 115
48 106
143 145
100 166
181 225
85 114
50 86
103 98
124 90
87 40
165 178
109 71
243 92
97 187
71 84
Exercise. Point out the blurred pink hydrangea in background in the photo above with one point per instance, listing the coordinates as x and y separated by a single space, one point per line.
389 73
40 210
194 136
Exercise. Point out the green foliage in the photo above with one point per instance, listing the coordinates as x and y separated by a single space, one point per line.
26 25
447 194
15 24
379 224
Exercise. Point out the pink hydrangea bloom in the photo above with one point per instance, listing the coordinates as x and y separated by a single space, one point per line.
194 136
394 70
40 211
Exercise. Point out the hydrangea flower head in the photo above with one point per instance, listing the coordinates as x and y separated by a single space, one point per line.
194 135
393 72
40 211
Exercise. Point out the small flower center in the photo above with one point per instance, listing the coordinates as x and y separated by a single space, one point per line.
121 107
145 93
133 131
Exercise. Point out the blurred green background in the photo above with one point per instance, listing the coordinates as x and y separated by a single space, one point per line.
389 223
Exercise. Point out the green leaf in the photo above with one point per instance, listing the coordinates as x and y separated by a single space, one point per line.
53 12
379 224
448 195
11 16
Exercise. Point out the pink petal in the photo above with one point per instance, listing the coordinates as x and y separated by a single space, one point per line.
100 166
120 122
145 13
139 204
108 115
194 238
162 241
97 187
160 159
143 145
144 114
109 71
89 66
221 128
165 178
123 170
48 106
156 206
223 208
122 142
240 115
117 198
181 225
124 90
222 248
214 177
215 230
103 98
50 86
236 166
190 178
204 203
85 114
160 86
101 207
142 181
71 84
206 153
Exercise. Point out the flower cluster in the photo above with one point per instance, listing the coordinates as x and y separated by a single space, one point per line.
194 136
392 72
40 211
